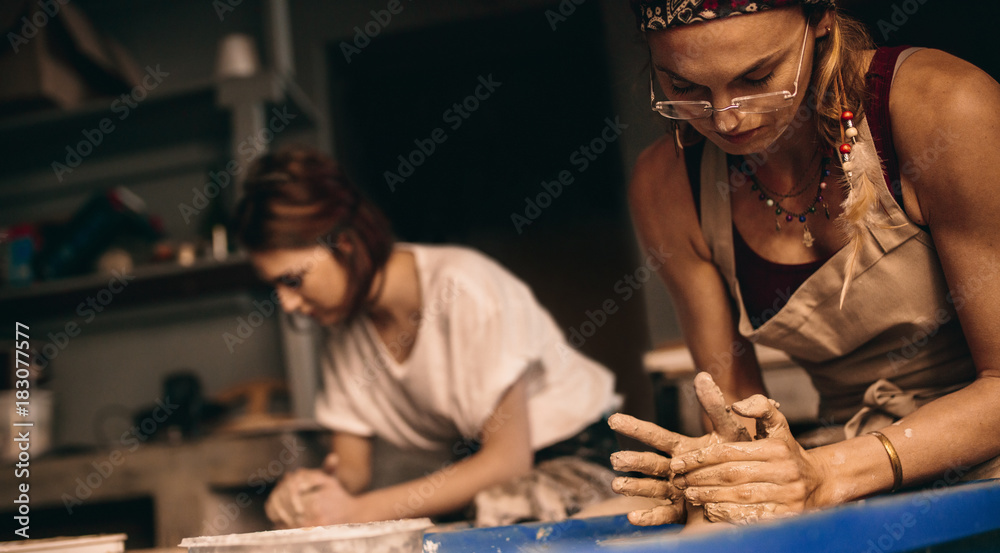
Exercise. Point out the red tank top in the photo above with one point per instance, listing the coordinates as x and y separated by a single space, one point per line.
766 286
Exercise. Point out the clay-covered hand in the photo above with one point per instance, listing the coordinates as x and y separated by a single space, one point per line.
671 507
308 497
770 477
727 429
328 503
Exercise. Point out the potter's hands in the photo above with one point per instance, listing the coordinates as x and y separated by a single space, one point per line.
727 429
310 497
770 477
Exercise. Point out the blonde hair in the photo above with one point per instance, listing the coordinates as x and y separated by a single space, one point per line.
839 70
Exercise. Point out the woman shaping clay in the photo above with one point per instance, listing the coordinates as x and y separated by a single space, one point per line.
426 347
882 281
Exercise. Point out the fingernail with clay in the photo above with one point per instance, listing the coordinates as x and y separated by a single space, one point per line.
617 459
645 518
680 482
678 465
614 421
618 483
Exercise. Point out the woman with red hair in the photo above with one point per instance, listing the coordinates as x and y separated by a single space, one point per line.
431 348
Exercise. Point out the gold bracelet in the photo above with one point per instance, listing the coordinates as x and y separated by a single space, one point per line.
897 467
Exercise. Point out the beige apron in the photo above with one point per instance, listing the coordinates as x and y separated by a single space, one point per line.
894 346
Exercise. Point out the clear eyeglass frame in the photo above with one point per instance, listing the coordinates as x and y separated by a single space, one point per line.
768 102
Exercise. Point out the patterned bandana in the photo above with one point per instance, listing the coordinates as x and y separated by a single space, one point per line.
654 15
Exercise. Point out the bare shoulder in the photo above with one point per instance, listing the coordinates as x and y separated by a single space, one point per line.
661 201
933 88
945 122
659 173
659 161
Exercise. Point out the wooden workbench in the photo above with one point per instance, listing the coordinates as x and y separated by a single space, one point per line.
211 486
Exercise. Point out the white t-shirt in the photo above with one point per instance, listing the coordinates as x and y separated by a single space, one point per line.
481 329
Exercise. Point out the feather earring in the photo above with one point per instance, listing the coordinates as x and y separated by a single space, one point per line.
861 167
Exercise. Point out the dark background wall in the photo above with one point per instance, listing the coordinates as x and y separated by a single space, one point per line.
958 27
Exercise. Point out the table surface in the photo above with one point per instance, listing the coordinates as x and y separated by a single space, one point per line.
962 517
224 479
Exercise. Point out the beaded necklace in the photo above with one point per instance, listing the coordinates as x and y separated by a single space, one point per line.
768 197
801 178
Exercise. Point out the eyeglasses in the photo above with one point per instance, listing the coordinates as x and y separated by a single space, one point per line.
754 104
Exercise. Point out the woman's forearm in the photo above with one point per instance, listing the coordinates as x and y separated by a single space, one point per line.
351 461
506 453
355 480
445 490
947 436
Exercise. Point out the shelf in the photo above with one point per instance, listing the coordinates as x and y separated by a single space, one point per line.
40 139
94 108
271 89
152 283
